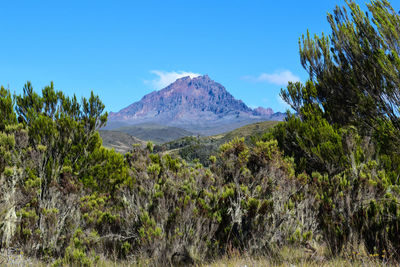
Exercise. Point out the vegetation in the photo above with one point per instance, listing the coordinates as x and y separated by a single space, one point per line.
120 141
327 177
66 197
345 136
154 132
201 148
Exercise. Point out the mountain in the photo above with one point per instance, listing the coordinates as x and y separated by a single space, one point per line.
199 105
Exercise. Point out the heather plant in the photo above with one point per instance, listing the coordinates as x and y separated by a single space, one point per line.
6 108
344 136
260 197
46 158
170 205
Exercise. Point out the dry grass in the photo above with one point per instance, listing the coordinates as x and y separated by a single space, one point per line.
288 256
265 262
8 258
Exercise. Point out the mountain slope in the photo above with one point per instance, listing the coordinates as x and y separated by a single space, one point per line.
199 105
154 132
120 141
190 148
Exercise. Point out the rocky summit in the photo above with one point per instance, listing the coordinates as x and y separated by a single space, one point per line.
197 104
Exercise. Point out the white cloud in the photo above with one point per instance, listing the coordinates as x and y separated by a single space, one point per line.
165 78
278 78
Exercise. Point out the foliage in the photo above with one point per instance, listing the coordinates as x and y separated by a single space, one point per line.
201 148
328 173
72 199
345 133
6 108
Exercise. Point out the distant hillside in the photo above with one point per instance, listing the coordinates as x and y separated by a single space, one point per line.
190 148
153 132
120 141
199 105
255 129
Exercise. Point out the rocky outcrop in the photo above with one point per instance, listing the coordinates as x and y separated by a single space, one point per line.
260 111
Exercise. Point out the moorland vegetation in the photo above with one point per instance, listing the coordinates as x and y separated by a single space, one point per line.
327 176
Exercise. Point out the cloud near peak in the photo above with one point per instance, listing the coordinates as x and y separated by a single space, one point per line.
278 78
165 78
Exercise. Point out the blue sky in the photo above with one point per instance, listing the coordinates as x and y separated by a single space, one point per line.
123 50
